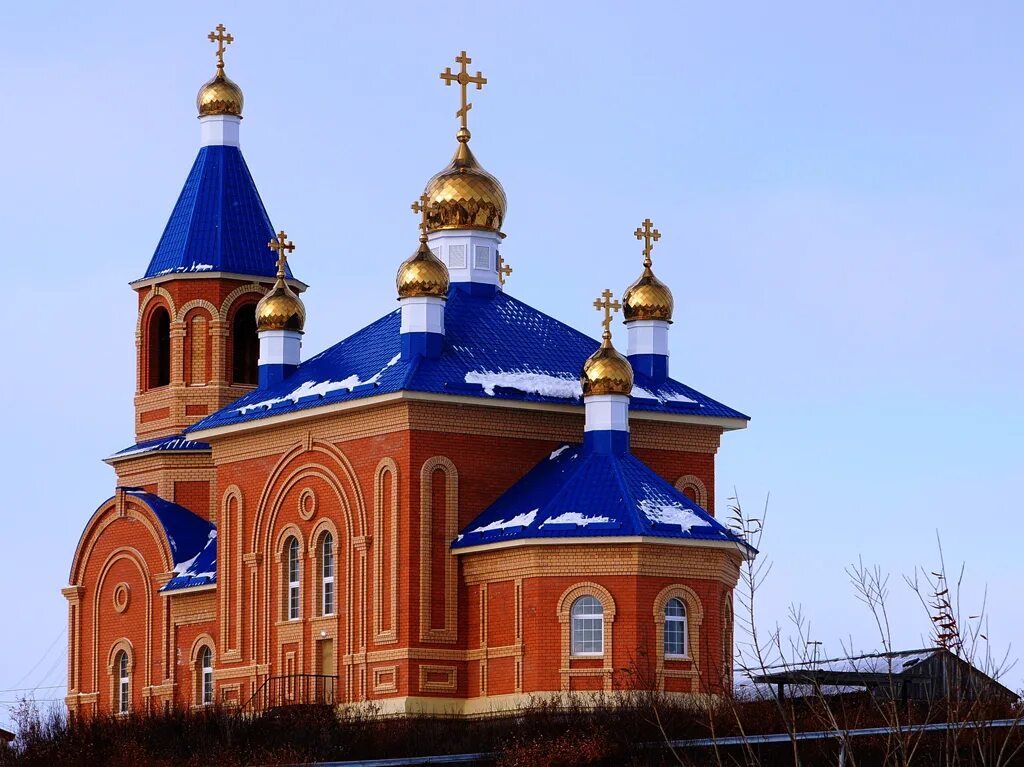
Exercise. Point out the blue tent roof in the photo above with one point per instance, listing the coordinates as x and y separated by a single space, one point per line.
495 347
219 223
193 541
583 493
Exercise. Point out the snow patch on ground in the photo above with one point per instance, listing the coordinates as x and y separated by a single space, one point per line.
322 388
520 520
574 518
558 452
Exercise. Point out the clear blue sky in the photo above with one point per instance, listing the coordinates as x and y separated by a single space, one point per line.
839 192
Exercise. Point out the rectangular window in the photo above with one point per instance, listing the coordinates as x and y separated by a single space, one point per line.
588 636
675 638
482 257
124 696
329 596
457 256
207 686
293 602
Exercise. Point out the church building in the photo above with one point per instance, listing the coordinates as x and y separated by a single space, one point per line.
461 507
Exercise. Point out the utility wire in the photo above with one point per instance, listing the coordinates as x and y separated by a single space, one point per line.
39 662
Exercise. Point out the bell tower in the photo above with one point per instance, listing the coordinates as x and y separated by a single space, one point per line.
197 347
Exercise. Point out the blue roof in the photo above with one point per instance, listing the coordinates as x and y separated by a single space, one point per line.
193 541
171 443
583 493
495 347
219 223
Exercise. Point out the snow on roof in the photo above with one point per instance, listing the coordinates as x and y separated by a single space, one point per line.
174 442
576 492
218 223
192 540
495 347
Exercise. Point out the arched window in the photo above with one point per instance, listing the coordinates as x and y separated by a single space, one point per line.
159 348
123 683
587 626
675 629
206 675
293 578
327 558
246 346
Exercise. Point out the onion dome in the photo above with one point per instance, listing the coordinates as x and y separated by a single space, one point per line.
422 274
281 308
464 195
648 298
606 371
220 96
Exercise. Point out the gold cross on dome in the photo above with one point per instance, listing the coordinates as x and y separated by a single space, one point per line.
608 306
281 243
649 235
220 38
504 270
463 78
421 206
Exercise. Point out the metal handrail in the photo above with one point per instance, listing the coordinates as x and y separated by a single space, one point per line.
293 690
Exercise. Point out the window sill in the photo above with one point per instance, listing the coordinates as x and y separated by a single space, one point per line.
677 657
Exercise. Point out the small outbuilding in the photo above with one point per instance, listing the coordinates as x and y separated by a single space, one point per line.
919 675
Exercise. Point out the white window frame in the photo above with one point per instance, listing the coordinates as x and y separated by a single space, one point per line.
583 622
294 579
677 619
327 593
124 684
206 676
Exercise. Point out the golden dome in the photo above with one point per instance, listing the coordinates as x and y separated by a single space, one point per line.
280 309
422 274
647 299
606 371
464 195
220 96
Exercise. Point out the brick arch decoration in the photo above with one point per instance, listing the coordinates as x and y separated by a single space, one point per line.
201 641
280 564
385 482
155 292
156 298
448 524
197 352
698 486
132 555
108 512
121 645
230 577
227 306
324 526
565 602
694 623
334 469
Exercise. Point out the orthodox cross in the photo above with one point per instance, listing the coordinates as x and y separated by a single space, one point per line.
463 78
420 206
281 243
504 270
608 306
220 38
649 235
